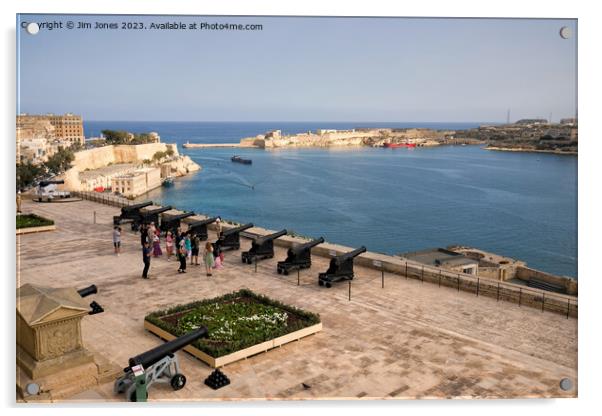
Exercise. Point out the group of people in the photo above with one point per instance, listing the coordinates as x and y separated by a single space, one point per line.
184 245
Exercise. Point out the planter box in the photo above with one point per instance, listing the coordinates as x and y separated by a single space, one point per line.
29 230
241 324
241 354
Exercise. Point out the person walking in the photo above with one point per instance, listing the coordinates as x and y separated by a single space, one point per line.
188 245
208 258
169 245
146 258
157 246
143 234
151 232
218 227
182 257
117 240
195 244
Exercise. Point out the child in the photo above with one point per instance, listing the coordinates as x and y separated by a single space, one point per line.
208 257
117 240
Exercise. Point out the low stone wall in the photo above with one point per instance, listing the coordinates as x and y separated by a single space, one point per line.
526 274
505 291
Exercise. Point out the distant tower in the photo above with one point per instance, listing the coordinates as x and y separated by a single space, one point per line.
508 117
550 119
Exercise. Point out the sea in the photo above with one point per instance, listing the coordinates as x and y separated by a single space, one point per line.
521 205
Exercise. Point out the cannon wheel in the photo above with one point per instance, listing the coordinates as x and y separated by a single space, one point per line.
328 285
279 270
178 381
321 283
285 272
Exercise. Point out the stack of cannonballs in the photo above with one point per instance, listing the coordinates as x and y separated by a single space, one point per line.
217 379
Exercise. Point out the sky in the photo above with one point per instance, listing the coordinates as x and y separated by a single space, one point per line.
299 69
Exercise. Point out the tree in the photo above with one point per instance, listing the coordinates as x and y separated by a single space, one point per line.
169 152
27 174
115 136
60 161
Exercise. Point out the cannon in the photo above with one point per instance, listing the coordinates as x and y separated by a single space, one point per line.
261 247
172 222
91 290
149 216
341 268
200 227
230 238
47 190
130 212
298 257
158 365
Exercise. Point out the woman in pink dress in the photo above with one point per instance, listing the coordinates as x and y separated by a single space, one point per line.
157 246
169 245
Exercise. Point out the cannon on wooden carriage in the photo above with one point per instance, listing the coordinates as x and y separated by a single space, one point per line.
199 228
172 222
230 239
146 217
130 213
341 268
262 247
298 257
94 306
158 365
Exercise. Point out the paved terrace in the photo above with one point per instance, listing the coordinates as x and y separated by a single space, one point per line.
408 340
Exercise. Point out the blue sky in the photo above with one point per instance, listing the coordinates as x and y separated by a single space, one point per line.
300 69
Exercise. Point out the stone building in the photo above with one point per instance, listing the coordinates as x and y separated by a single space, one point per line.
67 127
137 182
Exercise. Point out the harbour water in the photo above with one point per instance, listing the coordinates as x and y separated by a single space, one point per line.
522 205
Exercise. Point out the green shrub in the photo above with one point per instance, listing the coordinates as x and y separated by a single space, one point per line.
32 220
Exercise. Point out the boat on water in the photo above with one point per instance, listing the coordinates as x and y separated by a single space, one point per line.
168 181
394 145
238 159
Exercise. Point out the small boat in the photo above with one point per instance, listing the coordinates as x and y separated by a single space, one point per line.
394 145
238 159
168 181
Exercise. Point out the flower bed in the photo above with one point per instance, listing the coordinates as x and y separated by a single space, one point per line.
32 220
240 324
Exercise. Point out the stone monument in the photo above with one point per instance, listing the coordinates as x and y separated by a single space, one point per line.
51 359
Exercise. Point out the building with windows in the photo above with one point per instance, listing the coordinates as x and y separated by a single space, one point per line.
67 127
137 182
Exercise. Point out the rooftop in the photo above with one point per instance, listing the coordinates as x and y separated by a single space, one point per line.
406 340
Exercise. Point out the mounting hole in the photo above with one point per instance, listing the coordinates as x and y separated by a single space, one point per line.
566 384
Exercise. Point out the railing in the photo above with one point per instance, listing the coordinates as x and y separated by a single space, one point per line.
103 198
499 290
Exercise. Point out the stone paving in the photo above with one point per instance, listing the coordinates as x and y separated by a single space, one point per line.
409 340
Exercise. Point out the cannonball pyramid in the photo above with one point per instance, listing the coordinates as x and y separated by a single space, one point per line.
217 379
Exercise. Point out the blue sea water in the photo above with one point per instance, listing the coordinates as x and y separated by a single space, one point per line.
522 205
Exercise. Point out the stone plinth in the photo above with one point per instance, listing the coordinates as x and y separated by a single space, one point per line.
50 351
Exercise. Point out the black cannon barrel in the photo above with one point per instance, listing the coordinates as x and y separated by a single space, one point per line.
273 236
179 216
351 254
136 207
298 249
157 211
46 183
150 357
87 291
202 222
237 229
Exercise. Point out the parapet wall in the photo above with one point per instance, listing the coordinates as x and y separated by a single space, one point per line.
504 291
526 274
